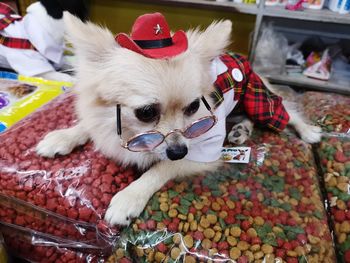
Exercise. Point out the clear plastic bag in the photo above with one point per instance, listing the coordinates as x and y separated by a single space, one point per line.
269 210
20 96
334 155
65 197
271 52
328 110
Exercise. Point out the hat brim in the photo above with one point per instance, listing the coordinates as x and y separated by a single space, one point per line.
179 46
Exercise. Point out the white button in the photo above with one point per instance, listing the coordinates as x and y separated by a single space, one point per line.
237 75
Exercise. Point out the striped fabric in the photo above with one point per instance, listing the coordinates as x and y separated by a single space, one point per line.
11 42
262 106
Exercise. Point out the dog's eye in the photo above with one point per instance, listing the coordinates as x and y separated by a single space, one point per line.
148 113
192 108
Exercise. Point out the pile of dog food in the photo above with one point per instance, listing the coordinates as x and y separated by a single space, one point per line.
329 111
334 154
267 210
51 210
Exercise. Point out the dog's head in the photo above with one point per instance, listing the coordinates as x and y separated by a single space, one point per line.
154 94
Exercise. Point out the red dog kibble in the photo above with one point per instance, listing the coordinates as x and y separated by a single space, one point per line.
66 196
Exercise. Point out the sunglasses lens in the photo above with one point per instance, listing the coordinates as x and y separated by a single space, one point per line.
200 127
145 142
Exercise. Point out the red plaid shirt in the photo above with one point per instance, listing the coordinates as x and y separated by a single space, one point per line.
11 42
262 106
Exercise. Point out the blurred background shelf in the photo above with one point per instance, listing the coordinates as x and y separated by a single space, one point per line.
301 81
323 15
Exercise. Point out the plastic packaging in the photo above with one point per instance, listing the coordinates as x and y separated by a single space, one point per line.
20 96
315 4
271 52
319 68
328 110
334 155
61 200
269 210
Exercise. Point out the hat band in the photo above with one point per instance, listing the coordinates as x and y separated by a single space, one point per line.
159 43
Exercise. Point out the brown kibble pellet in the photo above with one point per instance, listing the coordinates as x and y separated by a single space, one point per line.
345 227
258 255
249 255
159 256
206 243
190 259
292 253
235 231
190 217
216 206
212 219
243 245
186 227
232 241
204 222
177 238
267 249
175 253
188 240
193 225
230 204
255 247
172 213
209 233
164 207
252 232
223 214
235 253
217 236
259 220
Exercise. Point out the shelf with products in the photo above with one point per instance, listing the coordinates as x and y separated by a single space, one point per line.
304 82
322 15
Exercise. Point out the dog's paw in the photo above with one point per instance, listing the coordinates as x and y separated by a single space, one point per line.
240 133
55 142
124 206
311 134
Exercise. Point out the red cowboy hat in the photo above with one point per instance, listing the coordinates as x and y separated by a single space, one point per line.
150 37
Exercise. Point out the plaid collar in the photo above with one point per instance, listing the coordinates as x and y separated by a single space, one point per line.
252 96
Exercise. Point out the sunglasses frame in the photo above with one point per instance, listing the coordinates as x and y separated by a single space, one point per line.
182 131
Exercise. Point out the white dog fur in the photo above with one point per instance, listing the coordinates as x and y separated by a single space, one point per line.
108 74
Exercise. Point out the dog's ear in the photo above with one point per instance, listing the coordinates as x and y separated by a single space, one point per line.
211 42
90 41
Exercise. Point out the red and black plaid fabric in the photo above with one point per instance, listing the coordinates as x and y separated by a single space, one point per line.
11 42
262 106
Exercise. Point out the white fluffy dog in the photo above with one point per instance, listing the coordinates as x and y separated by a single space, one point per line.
153 94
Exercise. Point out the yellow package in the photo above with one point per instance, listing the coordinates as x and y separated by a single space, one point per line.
20 96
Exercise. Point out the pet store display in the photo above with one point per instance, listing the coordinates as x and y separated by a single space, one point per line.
54 207
328 110
334 155
268 210
20 96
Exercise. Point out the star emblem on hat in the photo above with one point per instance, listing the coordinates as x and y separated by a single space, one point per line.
158 29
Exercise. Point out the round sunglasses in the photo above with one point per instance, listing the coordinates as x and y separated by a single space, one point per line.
148 141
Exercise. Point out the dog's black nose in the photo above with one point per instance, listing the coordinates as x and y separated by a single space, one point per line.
176 152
